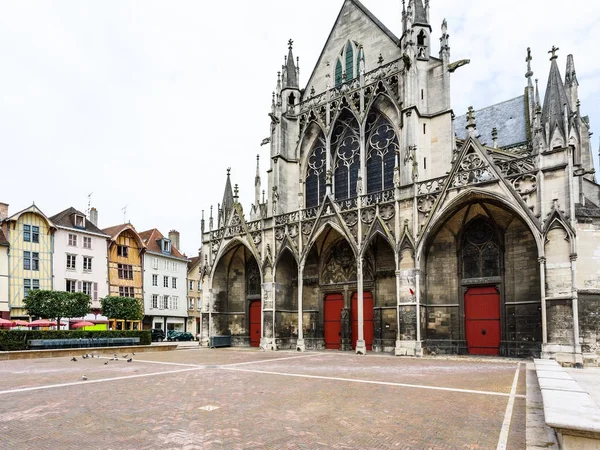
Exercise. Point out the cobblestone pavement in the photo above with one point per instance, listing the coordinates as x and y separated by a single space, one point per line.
247 399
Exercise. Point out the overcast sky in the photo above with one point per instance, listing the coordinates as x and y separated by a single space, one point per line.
146 103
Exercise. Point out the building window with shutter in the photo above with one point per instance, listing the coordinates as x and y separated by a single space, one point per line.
87 264
71 286
154 304
155 263
71 262
174 302
154 280
86 288
174 283
165 281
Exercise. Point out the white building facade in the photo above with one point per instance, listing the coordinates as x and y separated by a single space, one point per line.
80 260
165 283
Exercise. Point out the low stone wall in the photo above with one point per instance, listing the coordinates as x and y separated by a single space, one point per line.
568 409
33 354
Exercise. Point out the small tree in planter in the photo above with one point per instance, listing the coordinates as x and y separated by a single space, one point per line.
57 305
122 308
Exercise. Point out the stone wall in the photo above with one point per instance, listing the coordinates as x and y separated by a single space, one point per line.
589 322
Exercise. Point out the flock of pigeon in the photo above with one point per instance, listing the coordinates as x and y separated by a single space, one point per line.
114 358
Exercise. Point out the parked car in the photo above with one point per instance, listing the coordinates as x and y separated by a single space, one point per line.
158 335
180 336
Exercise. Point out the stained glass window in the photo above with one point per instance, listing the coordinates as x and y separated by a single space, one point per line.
345 152
481 253
381 144
338 73
349 61
315 175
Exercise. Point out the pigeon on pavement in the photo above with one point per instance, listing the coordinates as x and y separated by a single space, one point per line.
130 359
73 359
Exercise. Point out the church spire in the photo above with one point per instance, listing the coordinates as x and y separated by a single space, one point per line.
257 182
421 12
555 100
228 201
571 83
290 71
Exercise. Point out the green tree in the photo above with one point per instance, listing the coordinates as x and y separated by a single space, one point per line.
57 305
124 308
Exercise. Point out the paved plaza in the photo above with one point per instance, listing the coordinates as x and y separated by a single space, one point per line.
201 398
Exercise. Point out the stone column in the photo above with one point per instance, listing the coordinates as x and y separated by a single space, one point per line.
542 262
267 340
398 286
418 345
300 343
575 306
211 303
361 348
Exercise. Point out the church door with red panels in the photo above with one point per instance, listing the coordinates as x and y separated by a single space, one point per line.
255 323
367 319
333 305
482 320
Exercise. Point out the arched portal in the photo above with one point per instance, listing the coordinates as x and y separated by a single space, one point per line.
481 287
236 287
379 296
286 300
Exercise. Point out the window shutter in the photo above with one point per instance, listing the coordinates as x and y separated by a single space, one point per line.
79 286
95 291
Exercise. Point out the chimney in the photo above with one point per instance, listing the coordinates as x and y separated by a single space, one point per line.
93 216
174 238
3 211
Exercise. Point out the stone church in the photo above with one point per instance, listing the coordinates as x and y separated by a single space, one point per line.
392 224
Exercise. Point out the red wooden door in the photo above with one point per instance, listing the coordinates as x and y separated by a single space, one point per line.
482 320
255 323
367 319
333 305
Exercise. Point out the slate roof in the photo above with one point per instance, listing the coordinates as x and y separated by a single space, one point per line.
508 117
65 219
151 238
193 261
589 210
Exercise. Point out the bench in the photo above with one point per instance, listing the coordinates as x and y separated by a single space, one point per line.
568 408
45 344
219 341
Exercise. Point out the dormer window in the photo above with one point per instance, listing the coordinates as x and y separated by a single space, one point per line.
166 246
79 221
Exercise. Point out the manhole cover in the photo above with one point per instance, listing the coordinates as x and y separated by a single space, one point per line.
209 408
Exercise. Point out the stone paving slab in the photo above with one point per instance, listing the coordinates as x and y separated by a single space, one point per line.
213 408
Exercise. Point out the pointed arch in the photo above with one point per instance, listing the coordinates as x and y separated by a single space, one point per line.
232 245
338 73
321 234
349 61
377 229
315 167
345 154
382 145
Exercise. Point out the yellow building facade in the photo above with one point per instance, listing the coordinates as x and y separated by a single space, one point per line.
125 256
31 242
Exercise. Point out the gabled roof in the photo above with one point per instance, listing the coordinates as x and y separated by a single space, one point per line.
151 239
367 13
116 230
34 210
508 117
65 219
3 240
193 261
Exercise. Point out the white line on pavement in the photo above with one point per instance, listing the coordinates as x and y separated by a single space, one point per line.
101 380
503 439
386 383
267 360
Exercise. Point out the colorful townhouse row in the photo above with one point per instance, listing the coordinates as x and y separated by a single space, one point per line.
69 252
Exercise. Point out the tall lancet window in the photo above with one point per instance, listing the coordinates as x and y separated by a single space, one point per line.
345 152
349 61
338 73
480 250
381 144
315 174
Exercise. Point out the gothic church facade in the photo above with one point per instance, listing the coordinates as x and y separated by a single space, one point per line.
392 225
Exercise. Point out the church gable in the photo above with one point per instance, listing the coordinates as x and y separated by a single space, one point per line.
354 28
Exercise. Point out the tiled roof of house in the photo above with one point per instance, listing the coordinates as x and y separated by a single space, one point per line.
193 261
65 219
151 239
115 230
508 117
